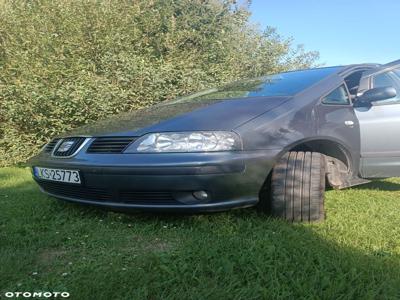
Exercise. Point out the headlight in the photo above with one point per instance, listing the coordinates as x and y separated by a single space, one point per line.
198 141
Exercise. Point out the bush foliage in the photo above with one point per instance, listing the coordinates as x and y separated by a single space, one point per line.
64 63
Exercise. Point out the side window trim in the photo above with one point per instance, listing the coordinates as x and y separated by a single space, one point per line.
396 86
387 74
349 102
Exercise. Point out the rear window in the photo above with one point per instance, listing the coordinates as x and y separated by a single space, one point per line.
282 84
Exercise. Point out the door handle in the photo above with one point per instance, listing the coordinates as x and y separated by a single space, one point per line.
349 123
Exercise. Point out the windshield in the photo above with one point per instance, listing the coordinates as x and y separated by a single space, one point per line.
283 84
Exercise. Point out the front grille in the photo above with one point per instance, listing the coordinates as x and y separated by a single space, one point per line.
76 142
101 194
110 144
75 191
50 146
144 197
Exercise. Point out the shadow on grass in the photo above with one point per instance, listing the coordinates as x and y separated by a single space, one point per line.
238 254
379 185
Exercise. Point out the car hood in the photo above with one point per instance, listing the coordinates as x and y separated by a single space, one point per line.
189 116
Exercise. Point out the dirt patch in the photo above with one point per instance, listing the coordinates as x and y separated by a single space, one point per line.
49 256
155 245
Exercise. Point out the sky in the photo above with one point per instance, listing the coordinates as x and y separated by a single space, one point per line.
344 32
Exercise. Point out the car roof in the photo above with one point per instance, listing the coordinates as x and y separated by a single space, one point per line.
346 70
343 70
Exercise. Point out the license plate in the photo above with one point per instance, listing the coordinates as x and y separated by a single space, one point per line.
60 175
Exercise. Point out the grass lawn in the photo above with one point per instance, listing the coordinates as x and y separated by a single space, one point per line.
48 245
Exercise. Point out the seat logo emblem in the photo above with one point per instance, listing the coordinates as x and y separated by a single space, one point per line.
65 146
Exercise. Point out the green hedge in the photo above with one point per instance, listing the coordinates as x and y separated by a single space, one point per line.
64 63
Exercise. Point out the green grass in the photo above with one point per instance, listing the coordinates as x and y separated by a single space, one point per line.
48 245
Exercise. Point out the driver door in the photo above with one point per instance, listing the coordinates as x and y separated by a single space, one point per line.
380 125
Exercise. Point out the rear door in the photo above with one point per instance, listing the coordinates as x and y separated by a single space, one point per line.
380 125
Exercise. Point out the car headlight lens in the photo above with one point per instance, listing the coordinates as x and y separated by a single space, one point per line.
199 141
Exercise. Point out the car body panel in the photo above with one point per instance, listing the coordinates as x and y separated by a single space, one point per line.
202 116
302 119
379 127
230 179
380 124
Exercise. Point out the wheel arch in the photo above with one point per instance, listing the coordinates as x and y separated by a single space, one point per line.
328 146
325 145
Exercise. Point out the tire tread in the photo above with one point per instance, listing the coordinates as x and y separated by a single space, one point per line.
298 187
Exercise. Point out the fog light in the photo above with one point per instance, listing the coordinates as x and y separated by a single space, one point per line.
200 195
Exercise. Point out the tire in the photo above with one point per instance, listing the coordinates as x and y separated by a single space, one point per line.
298 187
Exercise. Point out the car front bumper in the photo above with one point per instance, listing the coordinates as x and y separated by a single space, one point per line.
162 182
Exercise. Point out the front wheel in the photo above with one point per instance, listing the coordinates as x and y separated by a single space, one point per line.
298 187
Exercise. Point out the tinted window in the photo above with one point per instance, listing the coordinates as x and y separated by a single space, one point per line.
391 78
283 84
338 97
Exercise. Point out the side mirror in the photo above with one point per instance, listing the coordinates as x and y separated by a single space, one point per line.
376 94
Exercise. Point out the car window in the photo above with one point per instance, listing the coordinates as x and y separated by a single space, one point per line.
353 82
282 84
338 97
391 78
